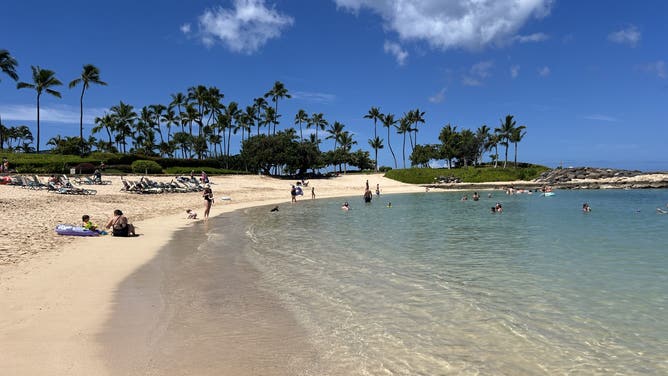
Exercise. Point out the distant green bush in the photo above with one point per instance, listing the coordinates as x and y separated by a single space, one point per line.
145 166
466 175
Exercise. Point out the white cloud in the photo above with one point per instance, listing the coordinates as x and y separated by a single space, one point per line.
185 28
314 97
600 117
544 71
57 114
657 68
244 28
515 71
470 24
438 97
629 36
478 73
535 37
395 49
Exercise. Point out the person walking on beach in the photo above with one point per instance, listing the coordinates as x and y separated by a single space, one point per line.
208 197
293 193
312 193
377 189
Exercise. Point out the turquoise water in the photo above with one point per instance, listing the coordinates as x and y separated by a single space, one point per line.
435 285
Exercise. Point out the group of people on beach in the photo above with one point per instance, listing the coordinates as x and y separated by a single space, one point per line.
118 225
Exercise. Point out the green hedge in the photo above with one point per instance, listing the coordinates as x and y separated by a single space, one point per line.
466 175
145 166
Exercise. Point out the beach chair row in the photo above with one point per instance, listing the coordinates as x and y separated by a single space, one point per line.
148 186
61 185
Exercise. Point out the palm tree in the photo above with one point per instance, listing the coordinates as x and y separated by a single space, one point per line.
89 75
232 113
8 65
124 118
448 137
389 122
416 116
169 118
43 81
277 92
198 94
318 121
335 131
375 115
105 122
156 115
376 143
506 131
493 142
259 104
517 136
404 128
346 141
178 100
301 117
482 135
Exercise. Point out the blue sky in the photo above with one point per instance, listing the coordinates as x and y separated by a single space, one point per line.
588 79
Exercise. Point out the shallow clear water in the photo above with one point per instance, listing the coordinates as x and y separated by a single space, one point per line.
435 285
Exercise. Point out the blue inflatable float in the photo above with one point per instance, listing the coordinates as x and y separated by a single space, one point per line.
71 230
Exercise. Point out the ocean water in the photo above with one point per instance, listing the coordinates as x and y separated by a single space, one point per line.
438 286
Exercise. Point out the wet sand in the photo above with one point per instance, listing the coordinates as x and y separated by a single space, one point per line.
196 309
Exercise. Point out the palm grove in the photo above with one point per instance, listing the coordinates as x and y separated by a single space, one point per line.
198 124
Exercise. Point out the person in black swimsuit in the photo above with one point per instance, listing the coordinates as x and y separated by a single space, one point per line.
208 197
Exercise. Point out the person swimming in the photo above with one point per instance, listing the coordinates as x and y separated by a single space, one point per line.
586 208
389 204
345 206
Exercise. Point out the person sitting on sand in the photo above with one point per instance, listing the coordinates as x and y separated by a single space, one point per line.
119 225
586 208
191 214
89 225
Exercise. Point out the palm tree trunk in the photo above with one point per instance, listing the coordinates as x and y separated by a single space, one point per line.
390 145
81 139
505 162
403 153
37 123
515 154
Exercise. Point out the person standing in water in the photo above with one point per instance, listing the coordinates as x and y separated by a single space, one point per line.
208 197
312 193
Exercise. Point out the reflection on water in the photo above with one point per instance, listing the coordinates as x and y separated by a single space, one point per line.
435 285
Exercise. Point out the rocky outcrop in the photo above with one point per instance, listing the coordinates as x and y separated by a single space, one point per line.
573 178
564 175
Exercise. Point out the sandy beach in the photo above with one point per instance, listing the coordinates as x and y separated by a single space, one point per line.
59 292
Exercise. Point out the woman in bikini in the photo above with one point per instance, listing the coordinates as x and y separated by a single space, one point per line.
208 197
119 225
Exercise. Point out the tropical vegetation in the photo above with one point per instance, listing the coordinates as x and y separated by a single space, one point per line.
198 124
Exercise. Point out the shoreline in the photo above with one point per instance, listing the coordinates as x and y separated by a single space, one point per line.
56 302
